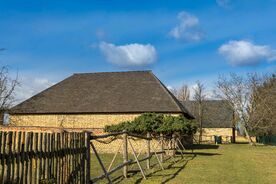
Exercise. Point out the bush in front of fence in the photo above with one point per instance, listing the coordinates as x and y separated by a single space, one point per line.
156 123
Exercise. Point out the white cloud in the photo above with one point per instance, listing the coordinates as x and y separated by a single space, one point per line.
170 88
223 3
30 86
130 55
242 53
188 28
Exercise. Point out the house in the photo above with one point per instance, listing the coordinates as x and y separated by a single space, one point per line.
93 100
217 119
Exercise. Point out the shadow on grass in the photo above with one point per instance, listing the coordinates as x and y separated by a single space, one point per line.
179 169
179 164
241 143
202 146
203 154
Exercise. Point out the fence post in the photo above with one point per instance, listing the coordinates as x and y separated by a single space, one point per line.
125 154
173 144
148 150
162 147
87 159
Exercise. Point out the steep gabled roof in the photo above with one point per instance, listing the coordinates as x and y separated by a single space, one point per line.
216 113
105 92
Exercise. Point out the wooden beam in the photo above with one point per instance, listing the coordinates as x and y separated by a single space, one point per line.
138 163
101 163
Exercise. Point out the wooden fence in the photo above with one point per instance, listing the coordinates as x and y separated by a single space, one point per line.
64 157
164 143
30 157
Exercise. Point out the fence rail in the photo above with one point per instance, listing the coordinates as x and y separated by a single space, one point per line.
127 138
29 157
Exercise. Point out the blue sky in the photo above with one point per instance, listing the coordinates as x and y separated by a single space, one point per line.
181 41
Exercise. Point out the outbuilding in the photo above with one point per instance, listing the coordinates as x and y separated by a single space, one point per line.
93 100
218 119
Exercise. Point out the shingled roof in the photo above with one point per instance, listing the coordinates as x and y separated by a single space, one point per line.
216 113
104 92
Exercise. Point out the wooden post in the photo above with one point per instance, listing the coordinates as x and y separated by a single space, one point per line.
87 160
233 128
137 161
101 163
162 147
125 154
173 144
148 150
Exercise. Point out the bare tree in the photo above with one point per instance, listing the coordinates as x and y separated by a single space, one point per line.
183 93
262 109
241 94
173 91
199 97
7 88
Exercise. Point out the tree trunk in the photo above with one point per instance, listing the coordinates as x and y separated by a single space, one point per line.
248 137
200 122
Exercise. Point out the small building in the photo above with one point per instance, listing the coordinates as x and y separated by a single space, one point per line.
93 100
217 119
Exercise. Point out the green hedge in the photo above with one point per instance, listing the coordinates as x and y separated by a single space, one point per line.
266 139
156 123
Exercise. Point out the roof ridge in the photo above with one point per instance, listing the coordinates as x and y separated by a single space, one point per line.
130 71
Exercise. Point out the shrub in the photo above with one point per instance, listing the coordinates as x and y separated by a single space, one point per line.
156 123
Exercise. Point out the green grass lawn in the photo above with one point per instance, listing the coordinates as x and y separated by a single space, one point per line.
233 163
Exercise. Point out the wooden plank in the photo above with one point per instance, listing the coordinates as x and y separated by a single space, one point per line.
100 162
9 158
78 158
52 156
48 156
106 135
111 171
46 166
156 155
18 158
67 157
3 161
54 136
25 159
41 162
114 157
125 154
139 136
87 139
58 158
148 150
27 146
21 157
73 145
138 163
13 168
62 157
30 149
2 158
36 176
162 148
